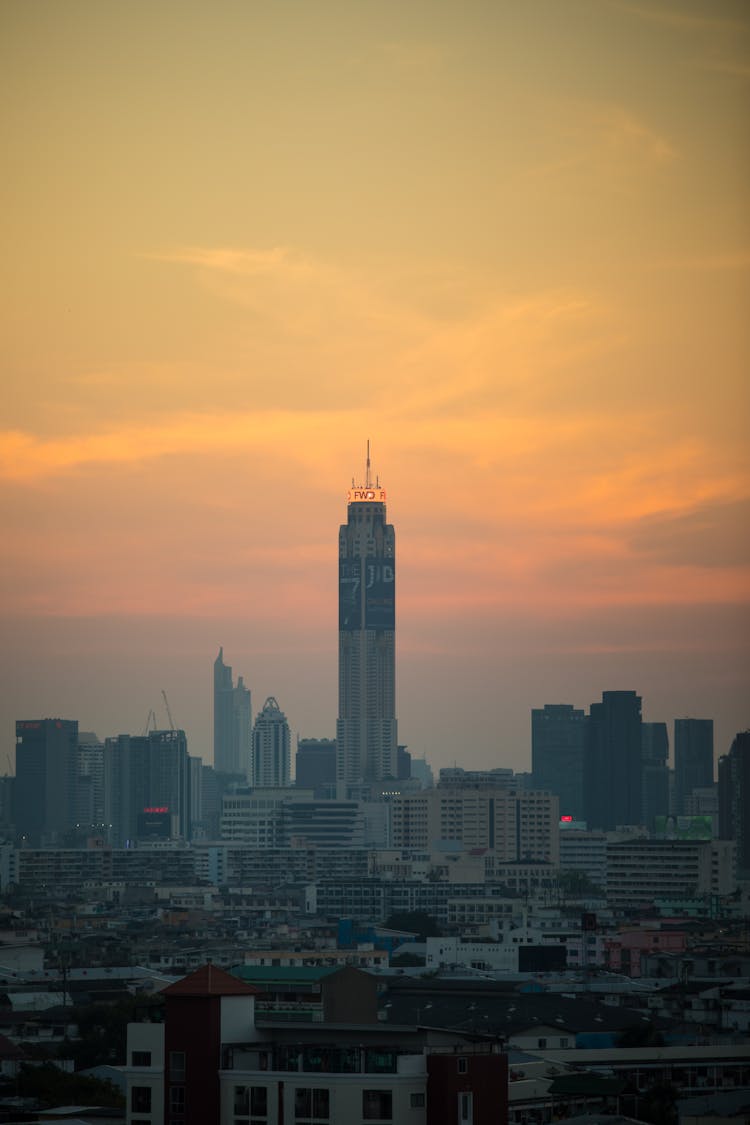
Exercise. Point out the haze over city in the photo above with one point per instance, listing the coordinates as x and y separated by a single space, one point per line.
507 243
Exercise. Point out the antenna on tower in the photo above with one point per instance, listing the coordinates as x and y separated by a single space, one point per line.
368 482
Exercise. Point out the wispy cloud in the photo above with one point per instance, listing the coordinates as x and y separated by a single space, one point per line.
681 18
732 260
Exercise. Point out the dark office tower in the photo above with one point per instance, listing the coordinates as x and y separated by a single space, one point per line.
612 769
655 772
148 772
693 758
315 766
734 800
45 779
558 739
7 806
232 721
169 778
126 759
366 736
403 764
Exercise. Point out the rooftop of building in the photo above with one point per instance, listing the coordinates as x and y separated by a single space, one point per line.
209 980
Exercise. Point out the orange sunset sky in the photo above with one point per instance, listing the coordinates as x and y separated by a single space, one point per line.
507 242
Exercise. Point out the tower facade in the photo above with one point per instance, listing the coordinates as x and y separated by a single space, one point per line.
366 734
654 772
693 758
734 799
232 721
271 747
558 742
45 779
612 770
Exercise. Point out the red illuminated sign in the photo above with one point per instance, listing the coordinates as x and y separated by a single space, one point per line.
567 819
366 494
157 808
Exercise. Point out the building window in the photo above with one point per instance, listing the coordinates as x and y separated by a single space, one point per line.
250 1105
377 1105
541 1042
465 1109
311 1104
177 1066
176 1100
140 1099
462 1065
140 1058
416 1101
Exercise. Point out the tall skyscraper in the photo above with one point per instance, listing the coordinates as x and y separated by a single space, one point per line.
271 755
148 772
655 772
734 799
693 758
46 759
558 739
612 774
232 721
366 733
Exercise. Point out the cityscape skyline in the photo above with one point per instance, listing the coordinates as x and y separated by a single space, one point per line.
230 716
508 244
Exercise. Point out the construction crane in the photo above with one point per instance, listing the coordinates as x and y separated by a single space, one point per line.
169 713
151 718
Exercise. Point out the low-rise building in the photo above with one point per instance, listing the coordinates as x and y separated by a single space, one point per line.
212 1060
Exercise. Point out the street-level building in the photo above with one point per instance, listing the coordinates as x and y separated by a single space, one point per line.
212 1061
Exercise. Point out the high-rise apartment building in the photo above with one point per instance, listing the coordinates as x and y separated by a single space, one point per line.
655 772
612 774
366 731
90 795
46 761
518 824
232 721
558 741
693 758
271 755
734 799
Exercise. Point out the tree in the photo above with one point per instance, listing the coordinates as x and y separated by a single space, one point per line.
640 1035
102 1031
53 1086
414 922
405 960
659 1104
576 883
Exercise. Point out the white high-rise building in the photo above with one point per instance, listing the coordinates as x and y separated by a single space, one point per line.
271 742
518 824
366 735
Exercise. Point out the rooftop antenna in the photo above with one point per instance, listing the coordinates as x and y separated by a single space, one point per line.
368 482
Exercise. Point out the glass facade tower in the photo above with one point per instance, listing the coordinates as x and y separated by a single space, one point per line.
366 735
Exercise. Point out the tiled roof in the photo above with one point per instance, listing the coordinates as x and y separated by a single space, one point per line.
209 981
